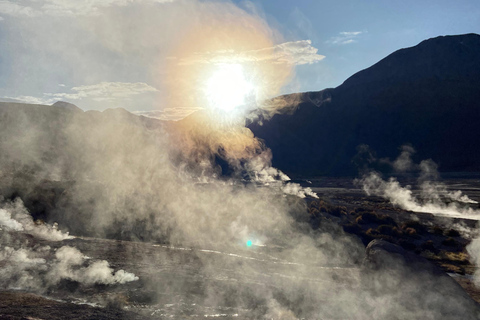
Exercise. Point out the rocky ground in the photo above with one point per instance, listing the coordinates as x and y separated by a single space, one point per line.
439 238
17 305
184 283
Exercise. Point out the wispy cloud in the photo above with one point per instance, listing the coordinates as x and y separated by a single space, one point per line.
28 99
345 37
293 53
351 33
16 9
105 91
32 8
167 113
75 7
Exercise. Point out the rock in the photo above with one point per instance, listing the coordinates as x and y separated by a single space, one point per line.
383 254
416 284
20 305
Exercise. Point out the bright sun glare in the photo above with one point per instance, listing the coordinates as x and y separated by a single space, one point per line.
228 88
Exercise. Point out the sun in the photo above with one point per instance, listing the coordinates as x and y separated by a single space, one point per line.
228 87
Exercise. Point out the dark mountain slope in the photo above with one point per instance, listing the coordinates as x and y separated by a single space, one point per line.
427 96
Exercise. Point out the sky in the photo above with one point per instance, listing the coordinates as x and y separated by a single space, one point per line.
137 54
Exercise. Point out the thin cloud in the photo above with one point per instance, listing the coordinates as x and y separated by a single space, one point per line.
303 23
75 7
28 99
105 91
173 114
351 33
345 37
293 53
17 10
32 8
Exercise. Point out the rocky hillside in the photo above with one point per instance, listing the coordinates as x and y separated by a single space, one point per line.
427 96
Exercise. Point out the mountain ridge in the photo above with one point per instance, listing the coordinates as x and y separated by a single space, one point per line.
426 96
402 99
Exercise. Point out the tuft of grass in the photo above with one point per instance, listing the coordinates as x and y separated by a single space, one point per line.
374 218
450 242
452 233
419 228
437 231
388 230
460 257
429 245
407 245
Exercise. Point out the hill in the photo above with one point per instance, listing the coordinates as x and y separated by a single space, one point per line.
427 96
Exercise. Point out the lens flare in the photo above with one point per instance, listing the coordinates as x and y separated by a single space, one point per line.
222 64
228 87
224 61
249 243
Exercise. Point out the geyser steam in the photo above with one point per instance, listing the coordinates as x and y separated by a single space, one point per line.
432 197
116 175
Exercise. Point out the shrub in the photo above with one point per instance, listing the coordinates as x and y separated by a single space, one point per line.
450 242
420 228
407 245
318 206
368 217
437 230
374 218
410 232
428 245
338 211
353 229
452 233
387 220
313 211
360 210
374 234
387 230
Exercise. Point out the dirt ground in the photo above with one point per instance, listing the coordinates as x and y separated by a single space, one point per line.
440 239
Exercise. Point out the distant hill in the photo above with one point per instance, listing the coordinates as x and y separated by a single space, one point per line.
50 155
32 133
427 96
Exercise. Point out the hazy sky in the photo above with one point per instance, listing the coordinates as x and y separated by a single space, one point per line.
118 53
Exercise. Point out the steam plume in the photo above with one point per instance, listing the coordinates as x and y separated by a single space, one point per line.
112 174
433 196
16 217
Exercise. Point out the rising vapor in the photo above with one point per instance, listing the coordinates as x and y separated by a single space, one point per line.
115 175
432 196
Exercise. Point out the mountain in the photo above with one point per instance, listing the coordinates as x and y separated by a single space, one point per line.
49 155
67 105
427 96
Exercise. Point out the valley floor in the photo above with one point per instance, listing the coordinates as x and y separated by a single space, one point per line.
248 283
